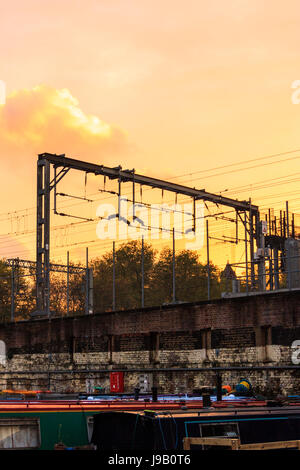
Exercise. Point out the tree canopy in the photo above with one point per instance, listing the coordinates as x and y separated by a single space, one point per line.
190 277
190 282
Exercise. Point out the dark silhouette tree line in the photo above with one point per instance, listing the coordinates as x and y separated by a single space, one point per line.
190 282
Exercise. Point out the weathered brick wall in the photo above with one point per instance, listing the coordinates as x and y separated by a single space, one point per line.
66 353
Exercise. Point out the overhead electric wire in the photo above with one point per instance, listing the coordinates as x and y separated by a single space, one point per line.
239 163
196 172
145 204
12 214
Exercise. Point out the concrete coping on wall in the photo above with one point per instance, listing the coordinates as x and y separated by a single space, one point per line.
232 295
178 304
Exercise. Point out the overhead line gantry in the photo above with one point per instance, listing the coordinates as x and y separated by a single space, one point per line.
62 165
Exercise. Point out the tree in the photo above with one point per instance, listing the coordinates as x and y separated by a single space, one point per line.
190 277
128 269
190 281
5 291
58 293
23 297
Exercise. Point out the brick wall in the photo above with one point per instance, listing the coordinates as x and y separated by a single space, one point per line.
65 353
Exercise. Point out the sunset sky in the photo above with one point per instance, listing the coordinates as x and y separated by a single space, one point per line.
170 88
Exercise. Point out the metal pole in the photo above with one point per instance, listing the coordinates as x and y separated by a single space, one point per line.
114 276
276 268
289 262
287 220
68 283
219 386
174 283
119 200
194 214
91 291
39 240
143 300
43 238
271 270
261 263
246 253
208 266
47 235
87 282
12 317
133 195
55 191
251 248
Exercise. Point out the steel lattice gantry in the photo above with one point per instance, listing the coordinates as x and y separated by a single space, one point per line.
59 268
62 164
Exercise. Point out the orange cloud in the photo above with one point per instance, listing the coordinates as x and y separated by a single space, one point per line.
44 119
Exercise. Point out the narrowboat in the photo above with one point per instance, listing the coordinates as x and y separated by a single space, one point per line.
248 426
45 420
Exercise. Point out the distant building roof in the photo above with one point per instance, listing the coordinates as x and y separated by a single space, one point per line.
228 272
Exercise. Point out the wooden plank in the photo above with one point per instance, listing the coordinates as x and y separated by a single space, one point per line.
271 445
186 443
236 445
212 441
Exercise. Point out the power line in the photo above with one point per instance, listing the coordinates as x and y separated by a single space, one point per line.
239 163
192 173
57 228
